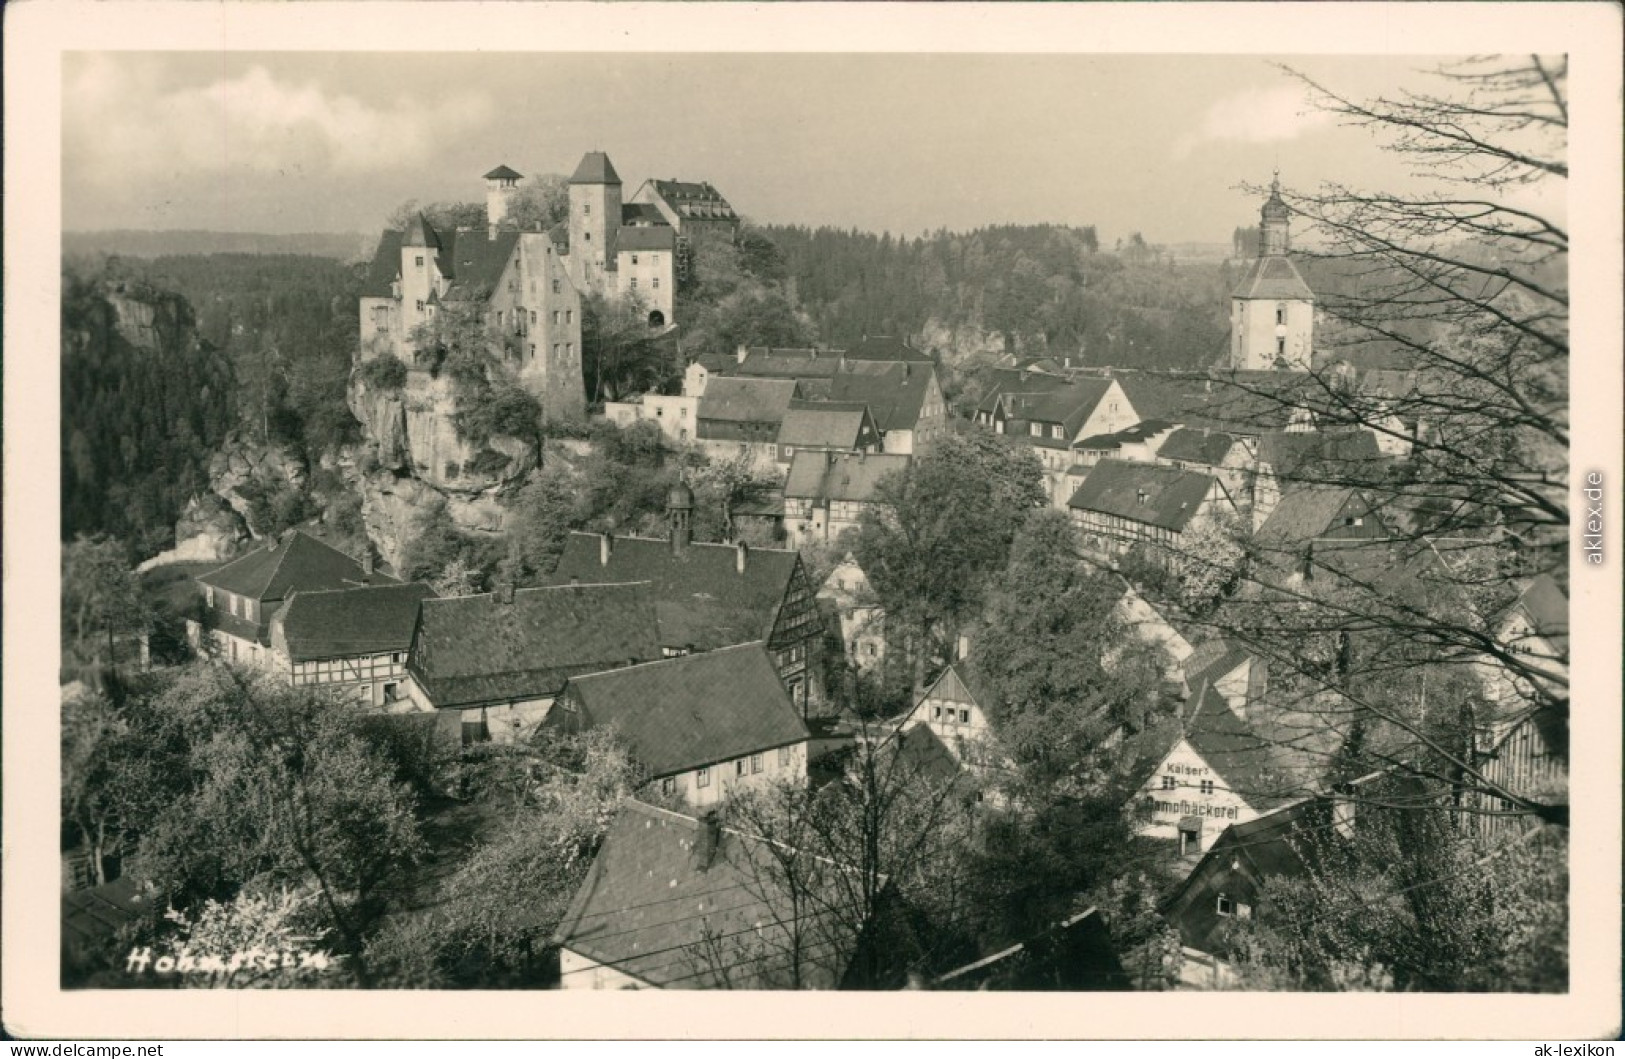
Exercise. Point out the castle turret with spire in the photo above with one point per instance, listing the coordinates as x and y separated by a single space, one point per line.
1272 310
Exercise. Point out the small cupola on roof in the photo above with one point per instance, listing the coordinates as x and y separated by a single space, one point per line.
501 184
1274 233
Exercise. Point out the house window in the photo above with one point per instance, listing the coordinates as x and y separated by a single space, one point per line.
1280 347
964 716
420 261
998 428
533 316
1280 314
633 283
1190 840
569 348
395 659
420 305
569 316
668 785
1207 786
1055 430
784 757
1244 910
936 713
555 286
555 316
634 259
586 210
1035 429
1225 906
533 351
208 595
755 763
1142 497
702 778
655 283
392 692
739 767
1169 783
586 237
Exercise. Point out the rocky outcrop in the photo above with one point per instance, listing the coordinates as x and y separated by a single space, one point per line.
207 530
393 505
413 432
959 342
243 471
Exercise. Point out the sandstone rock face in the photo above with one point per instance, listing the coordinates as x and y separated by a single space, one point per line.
242 467
414 432
207 530
959 343
393 505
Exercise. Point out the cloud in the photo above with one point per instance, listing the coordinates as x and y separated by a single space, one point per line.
1256 115
122 123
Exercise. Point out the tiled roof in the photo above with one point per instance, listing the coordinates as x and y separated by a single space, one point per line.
385 267
1273 277
595 169
474 261
1197 446
641 213
886 347
1303 514
697 710
702 599
1116 487
1547 607
834 425
1236 402
894 393
474 649
419 232
699 200
1244 760
762 362
1127 436
655 908
351 621
1213 660
1011 381
502 172
736 400
651 238
1313 455
296 563
839 476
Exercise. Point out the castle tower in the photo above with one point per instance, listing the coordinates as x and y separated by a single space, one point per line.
1272 310
420 271
595 217
500 185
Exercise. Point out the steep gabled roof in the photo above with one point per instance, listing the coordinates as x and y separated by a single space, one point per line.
894 393
297 562
1212 660
836 426
1273 277
700 709
732 399
1142 492
702 599
699 200
595 169
764 362
641 214
1304 514
474 649
474 261
1244 760
839 476
1547 607
1314 455
351 621
655 907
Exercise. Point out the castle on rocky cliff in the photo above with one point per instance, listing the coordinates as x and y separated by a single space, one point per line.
529 284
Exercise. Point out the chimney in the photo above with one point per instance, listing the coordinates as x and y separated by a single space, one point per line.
741 556
504 592
740 354
962 648
575 582
605 547
704 850
1343 810
368 564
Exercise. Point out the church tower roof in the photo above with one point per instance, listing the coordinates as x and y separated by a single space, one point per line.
419 232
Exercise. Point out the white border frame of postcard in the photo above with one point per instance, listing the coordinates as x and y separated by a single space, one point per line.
39 32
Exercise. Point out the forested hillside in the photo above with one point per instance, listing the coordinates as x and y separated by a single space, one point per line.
145 404
1030 289
341 246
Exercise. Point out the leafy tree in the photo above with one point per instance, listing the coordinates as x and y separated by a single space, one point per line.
540 203
1063 670
266 940
101 600
445 216
939 530
619 353
1408 903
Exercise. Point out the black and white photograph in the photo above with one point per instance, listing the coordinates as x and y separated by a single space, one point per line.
916 520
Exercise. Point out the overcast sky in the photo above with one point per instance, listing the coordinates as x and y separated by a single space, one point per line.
288 142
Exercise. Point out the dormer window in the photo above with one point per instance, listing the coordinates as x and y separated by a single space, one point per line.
1035 429
1142 497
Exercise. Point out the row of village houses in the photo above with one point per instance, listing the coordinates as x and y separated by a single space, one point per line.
698 654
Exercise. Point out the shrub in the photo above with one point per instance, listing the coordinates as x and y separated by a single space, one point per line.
385 373
507 410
